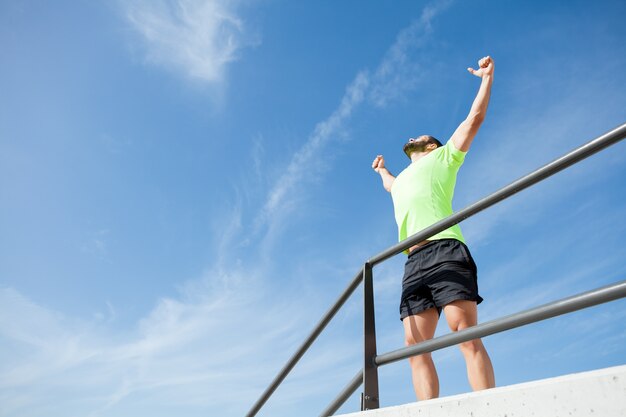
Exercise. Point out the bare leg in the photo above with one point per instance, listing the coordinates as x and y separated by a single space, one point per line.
460 315
418 328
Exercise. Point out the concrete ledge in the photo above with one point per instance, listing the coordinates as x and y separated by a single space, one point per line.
600 393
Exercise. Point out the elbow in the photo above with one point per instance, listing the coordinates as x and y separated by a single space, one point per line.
475 119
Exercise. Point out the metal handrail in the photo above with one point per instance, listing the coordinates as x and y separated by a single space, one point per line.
533 315
577 302
567 160
343 396
307 343
571 158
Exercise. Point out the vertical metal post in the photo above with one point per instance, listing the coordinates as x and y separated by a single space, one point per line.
369 397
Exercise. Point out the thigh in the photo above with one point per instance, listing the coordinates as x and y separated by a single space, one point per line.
420 326
461 314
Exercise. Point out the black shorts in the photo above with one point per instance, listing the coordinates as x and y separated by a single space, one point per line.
436 274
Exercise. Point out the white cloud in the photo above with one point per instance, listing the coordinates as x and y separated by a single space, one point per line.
198 351
396 74
197 38
306 159
218 343
399 71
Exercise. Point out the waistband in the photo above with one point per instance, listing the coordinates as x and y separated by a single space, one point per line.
429 244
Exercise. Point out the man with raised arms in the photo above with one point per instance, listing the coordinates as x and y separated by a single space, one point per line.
440 273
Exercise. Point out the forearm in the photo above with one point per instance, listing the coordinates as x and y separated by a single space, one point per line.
387 178
464 134
467 130
479 106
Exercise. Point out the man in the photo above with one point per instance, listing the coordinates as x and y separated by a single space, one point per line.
440 273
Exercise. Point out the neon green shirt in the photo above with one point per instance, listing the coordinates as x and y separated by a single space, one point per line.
422 193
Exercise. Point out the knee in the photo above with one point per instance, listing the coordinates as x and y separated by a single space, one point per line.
409 339
423 360
419 360
472 347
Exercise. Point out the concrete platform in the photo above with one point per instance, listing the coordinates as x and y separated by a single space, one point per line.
600 393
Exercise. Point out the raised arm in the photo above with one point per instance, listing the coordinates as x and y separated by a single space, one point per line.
379 166
464 134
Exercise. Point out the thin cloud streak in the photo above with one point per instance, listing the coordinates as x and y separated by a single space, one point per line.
303 160
395 75
192 342
398 74
196 38
168 348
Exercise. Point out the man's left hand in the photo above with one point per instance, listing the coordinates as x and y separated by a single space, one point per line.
485 67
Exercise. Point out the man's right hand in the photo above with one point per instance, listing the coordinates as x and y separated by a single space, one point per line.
378 164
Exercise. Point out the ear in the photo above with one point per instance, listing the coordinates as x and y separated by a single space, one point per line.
431 146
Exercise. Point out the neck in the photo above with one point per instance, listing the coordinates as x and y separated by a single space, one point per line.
416 156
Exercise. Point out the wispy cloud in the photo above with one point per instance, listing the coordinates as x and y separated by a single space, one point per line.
397 73
305 162
208 339
204 343
197 38
400 71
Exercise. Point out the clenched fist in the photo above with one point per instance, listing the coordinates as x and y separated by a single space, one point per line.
379 163
485 67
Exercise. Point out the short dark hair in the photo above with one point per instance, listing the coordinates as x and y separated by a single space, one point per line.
432 139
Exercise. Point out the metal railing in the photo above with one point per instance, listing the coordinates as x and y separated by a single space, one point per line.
368 376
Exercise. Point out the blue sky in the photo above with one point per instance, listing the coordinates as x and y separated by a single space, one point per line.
186 187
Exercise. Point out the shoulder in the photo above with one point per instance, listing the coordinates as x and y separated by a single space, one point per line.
449 154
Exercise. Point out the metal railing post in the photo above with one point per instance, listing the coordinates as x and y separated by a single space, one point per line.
369 398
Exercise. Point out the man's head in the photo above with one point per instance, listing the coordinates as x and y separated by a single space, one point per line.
424 143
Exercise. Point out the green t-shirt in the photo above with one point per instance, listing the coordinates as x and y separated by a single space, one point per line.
422 193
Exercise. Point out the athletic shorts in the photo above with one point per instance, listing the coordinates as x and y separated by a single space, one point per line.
436 274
